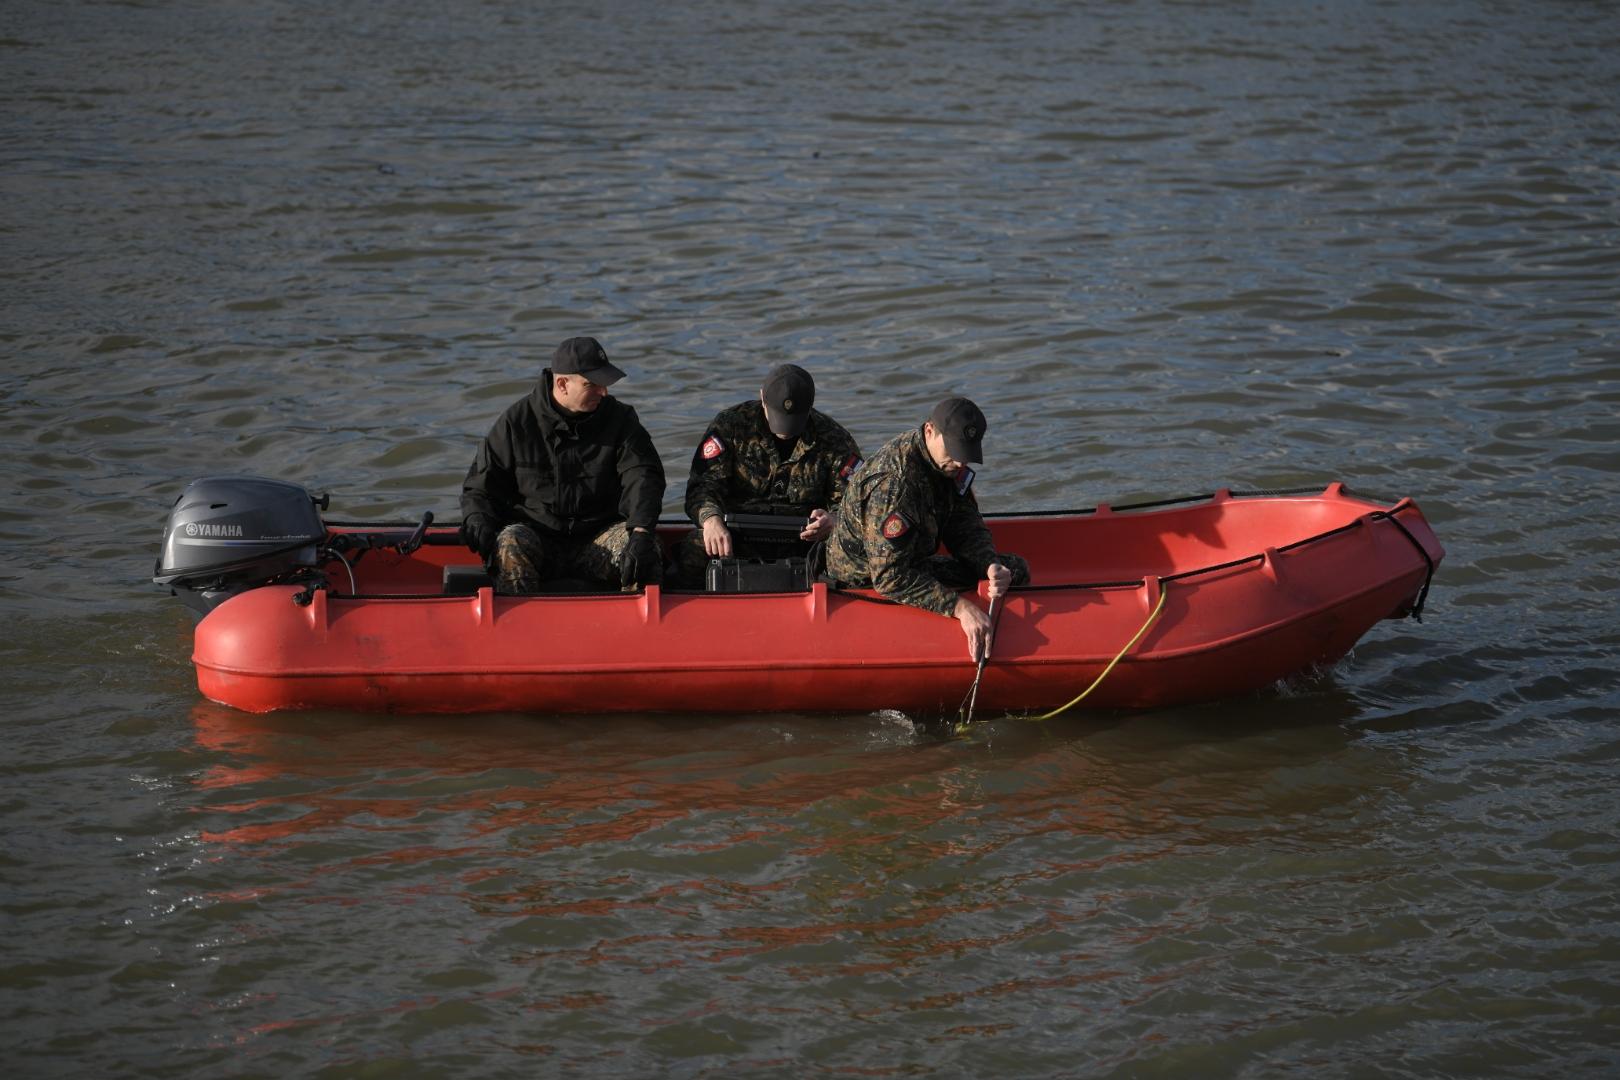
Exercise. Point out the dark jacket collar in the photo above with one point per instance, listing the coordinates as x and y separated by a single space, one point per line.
547 408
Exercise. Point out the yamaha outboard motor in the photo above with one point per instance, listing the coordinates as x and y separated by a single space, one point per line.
228 534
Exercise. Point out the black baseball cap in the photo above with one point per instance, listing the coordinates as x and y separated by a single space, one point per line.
962 424
789 391
585 356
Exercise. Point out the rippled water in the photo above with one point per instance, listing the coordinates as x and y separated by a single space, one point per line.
1168 246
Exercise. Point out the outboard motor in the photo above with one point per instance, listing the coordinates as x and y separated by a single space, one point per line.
228 534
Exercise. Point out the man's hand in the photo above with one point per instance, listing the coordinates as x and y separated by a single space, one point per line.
975 625
820 526
640 564
478 532
1000 579
716 538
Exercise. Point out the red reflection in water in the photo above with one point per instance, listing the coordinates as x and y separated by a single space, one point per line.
861 809
550 788
648 846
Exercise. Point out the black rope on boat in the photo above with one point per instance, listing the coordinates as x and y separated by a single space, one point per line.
1369 496
1264 493
1082 511
1321 536
1428 577
1258 556
1134 583
1157 503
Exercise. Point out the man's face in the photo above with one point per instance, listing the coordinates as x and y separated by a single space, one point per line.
577 393
936 450
785 440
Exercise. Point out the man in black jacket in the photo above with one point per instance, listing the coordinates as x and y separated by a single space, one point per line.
567 483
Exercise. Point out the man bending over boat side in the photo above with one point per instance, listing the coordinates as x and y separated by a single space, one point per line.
567 483
915 494
775 455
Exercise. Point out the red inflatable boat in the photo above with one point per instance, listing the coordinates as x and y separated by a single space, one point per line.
1236 591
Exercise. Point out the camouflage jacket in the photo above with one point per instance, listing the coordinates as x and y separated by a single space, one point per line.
898 509
736 468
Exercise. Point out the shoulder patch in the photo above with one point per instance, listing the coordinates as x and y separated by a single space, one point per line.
895 526
850 466
712 448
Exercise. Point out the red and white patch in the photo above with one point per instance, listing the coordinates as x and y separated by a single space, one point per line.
713 448
850 466
895 526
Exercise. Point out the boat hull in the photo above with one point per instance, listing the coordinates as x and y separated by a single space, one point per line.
1239 613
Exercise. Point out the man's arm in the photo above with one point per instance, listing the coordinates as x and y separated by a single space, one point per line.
489 487
706 481
840 457
894 554
641 477
966 536
844 457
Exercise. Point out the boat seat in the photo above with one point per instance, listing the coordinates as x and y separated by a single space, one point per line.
465 580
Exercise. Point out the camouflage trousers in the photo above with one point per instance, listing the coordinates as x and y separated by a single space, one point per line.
692 562
525 558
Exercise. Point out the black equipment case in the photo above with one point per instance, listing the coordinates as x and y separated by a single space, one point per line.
757 575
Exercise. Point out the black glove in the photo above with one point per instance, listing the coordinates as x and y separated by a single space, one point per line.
478 532
640 564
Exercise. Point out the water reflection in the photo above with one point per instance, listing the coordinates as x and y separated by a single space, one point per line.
652 883
733 795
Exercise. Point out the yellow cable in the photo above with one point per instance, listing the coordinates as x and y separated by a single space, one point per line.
1163 592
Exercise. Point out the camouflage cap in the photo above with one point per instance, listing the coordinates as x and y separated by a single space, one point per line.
788 393
962 425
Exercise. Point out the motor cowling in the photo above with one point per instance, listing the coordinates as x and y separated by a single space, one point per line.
228 534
